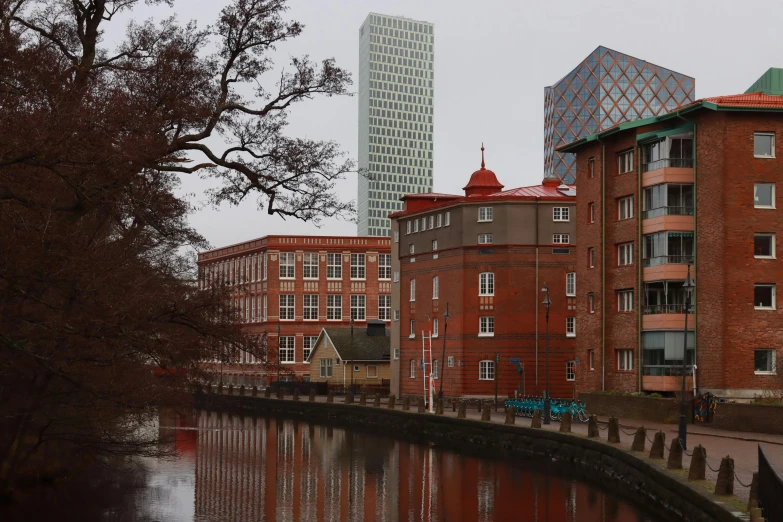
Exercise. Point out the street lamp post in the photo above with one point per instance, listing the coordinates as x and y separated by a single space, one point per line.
442 368
688 285
547 405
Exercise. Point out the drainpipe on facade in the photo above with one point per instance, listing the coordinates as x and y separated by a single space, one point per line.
535 296
603 264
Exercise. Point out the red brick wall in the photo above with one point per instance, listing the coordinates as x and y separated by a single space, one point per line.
514 307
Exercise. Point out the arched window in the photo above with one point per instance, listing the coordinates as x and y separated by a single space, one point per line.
487 370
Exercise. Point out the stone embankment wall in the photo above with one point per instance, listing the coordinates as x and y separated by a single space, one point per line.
627 475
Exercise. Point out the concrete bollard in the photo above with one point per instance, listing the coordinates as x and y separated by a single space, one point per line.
267 392
406 403
231 389
698 469
311 395
280 393
480 406
614 431
453 404
349 397
421 405
254 391
592 427
536 423
296 394
220 389
675 455
753 498
363 399
392 401
439 407
725 483
659 441
242 390
377 400
461 411
330 397
565 422
639 439
756 515
511 415
485 412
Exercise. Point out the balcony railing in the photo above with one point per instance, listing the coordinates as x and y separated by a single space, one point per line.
666 309
678 163
675 370
668 260
667 211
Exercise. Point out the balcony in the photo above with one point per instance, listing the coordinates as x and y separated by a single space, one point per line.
664 307
669 260
665 255
673 163
667 211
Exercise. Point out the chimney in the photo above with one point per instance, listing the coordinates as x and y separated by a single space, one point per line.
376 328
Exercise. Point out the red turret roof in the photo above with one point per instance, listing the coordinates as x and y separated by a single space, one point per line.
483 181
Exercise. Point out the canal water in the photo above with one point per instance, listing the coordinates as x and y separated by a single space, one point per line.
232 469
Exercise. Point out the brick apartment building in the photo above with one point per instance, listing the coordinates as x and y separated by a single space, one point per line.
485 256
694 186
297 285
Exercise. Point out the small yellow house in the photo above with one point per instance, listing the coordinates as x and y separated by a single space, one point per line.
355 356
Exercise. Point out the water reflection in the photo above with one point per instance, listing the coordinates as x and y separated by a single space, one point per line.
281 470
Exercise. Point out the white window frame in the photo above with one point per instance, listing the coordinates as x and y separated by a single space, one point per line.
266 315
287 303
591 257
774 370
591 302
765 156
359 306
485 214
424 223
414 364
571 326
450 361
486 283
625 208
326 368
396 236
435 369
412 333
287 266
485 239
772 246
561 214
415 225
310 307
411 249
774 297
625 360
396 314
367 371
487 370
435 325
625 300
591 359
439 221
334 307
570 371
384 267
413 290
772 196
286 352
310 268
396 354
384 307
408 226
486 326
335 268
435 287
432 222
358 267
447 219
266 263
561 239
308 340
625 161
571 284
434 245
396 276
625 254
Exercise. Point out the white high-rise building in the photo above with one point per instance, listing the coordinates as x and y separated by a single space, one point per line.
396 77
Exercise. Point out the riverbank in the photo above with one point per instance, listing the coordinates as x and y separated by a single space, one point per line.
635 476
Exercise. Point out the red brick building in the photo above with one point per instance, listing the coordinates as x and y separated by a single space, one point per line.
297 285
485 256
695 186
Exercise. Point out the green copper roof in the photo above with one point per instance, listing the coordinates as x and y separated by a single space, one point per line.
771 82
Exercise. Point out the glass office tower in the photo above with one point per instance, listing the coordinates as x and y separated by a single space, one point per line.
395 116
605 89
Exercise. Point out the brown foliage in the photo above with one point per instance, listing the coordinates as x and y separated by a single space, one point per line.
100 321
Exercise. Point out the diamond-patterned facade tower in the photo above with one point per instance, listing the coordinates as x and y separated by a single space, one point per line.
606 88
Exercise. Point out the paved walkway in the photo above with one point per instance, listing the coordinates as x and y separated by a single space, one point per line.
741 446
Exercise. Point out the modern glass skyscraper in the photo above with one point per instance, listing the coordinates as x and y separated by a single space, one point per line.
395 116
605 89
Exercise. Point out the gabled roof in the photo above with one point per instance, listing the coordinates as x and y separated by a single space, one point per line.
756 101
356 347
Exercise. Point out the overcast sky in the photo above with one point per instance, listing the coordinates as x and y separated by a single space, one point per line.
492 61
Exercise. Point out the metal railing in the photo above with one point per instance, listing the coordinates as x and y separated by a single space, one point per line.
770 488
668 260
667 211
665 370
666 309
677 163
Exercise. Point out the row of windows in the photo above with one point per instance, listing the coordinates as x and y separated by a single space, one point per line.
486 369
764 361
334 307
487 327
326 369
434 221
286 350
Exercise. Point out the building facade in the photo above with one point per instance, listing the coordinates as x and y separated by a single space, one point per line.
693 191
484 257
289 288
352 356
607 88
396 93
